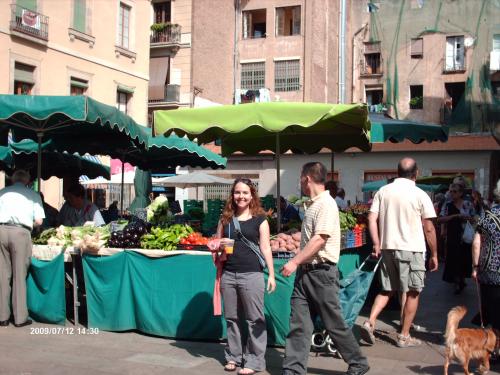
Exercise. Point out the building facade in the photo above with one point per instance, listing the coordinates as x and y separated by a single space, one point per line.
170 84
77 47
432 61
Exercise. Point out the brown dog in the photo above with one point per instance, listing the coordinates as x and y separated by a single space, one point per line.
464 344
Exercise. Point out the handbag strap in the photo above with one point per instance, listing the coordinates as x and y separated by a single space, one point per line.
252 245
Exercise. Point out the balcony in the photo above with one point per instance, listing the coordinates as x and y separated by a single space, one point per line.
172 96
28 24
165 35
453 66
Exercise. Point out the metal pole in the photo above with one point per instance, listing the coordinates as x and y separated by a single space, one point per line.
332 165
278 187
39 160
122 188
76 302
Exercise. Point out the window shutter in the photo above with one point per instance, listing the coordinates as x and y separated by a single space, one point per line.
245 25
459 52
79 15
280 21
450 53
296 20
24 73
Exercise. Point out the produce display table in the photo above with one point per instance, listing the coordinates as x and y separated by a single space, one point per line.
158 292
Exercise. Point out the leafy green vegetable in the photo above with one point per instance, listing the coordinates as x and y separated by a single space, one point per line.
165 238
347 220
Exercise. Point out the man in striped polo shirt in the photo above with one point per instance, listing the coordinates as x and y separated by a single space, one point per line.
316 284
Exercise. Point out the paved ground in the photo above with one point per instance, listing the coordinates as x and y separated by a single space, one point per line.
23 351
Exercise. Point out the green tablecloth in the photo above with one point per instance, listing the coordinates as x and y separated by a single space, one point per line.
45 290
170 296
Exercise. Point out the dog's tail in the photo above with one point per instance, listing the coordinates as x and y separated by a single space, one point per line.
454 317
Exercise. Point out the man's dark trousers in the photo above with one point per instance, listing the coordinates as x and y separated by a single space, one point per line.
316 292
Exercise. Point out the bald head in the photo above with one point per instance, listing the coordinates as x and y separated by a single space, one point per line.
407 168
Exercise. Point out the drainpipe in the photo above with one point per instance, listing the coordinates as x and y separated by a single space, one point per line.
353 63
235 45
342 23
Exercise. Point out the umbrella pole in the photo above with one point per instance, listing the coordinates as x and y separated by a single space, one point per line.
332 165
122 188
39 161
278 187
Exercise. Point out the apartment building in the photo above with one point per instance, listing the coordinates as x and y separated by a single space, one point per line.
77 47
287 47
170 55
433 61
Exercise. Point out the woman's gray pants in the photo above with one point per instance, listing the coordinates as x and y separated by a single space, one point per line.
243 295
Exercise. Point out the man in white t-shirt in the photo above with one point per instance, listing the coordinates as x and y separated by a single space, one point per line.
400 221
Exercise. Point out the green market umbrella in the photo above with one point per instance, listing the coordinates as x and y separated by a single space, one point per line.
74 123
163 153
387 129
143 187
278 126
24 154
172 151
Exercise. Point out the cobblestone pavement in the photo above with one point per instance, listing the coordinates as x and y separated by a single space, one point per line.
73 351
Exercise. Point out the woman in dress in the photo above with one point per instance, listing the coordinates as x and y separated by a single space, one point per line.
458 260
486 260
242 283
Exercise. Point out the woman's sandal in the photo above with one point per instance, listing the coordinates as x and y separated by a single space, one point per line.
230 366
246 371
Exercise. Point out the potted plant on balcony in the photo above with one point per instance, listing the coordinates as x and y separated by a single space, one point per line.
417 102
162 31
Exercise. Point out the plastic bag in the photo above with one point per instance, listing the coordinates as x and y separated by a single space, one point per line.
468 234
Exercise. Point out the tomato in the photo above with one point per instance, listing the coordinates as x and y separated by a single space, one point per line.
183 241
189 247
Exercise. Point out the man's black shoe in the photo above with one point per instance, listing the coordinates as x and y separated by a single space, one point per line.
4 323
357 370
27 323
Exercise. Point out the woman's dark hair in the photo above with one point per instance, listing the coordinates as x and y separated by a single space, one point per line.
230 208
76 190
316 171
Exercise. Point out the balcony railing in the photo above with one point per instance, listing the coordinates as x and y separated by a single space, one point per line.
172 95
170 34
454 66
29 22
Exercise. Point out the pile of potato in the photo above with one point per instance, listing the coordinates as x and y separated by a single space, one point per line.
286 242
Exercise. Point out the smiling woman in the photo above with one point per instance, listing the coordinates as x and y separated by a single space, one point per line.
244 234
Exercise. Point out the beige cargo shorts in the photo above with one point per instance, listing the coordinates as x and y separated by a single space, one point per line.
402 270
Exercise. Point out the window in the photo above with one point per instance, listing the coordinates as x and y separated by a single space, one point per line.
254 24
287 75
253 75
372 7
79 15
288 21
123 26
417 48
496 42
417 4
417 97
455 54
162 12
374 98
78 86
23 79
122 99
372 64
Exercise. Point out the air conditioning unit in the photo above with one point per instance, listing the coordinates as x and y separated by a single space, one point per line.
495 60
